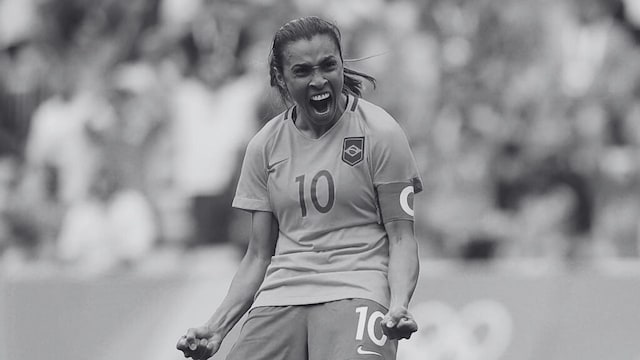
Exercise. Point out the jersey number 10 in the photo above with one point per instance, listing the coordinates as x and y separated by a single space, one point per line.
331 191
371 324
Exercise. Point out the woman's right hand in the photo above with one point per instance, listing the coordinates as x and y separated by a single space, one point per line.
199 343
202 342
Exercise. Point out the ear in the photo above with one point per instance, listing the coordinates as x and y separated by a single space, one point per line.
280 80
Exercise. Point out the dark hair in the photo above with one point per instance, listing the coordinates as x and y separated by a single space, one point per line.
306 28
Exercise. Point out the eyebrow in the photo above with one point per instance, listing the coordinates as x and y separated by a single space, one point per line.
305 65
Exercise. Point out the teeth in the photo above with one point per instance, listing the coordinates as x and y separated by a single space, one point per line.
320 97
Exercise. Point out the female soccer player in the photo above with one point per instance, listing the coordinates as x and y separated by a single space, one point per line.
332 261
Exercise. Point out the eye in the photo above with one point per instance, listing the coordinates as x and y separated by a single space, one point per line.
301 71
330 65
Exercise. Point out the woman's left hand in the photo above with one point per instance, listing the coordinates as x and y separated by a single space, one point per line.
398 323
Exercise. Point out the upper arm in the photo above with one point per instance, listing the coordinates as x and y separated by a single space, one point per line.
395 190
394 171
391 157
264 235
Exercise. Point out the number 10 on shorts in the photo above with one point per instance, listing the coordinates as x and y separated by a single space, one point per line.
370 325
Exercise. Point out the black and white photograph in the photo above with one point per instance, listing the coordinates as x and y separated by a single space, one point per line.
319 179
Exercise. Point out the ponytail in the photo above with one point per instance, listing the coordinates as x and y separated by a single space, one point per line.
352 83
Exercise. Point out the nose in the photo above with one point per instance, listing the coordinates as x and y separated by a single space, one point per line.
317 80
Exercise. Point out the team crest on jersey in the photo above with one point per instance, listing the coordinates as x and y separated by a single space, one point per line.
353 150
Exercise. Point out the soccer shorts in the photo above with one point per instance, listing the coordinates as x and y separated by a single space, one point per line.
338 330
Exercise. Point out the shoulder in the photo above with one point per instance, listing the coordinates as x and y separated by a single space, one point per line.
269 131
377 121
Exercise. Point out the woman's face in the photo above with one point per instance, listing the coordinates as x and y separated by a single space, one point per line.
313 75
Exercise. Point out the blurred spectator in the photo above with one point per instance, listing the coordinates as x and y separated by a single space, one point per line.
22 87
7 174
113 227
210 127
18 231
132 141
61 155
18 19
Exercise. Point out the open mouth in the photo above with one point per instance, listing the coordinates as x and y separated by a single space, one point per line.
320 103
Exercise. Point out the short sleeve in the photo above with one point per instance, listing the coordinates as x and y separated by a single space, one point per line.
392 158
251 192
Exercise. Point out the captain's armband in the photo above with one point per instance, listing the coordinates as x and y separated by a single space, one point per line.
395 201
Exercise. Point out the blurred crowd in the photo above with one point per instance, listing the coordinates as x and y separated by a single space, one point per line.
123 123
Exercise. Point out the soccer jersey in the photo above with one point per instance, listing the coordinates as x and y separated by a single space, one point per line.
332 243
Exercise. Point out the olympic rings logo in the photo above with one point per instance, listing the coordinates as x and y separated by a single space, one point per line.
481 330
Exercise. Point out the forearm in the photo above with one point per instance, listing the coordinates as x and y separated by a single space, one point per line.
250 274
241 293
404 267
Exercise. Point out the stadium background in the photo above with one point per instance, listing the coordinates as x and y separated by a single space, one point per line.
122 126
